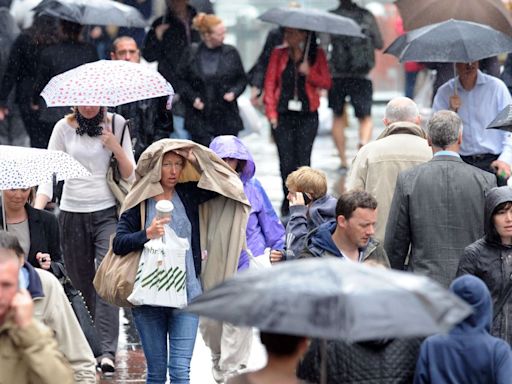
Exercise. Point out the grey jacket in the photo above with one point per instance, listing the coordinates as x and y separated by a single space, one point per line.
437 210
490 260
304 219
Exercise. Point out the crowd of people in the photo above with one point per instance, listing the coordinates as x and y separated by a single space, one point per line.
433 202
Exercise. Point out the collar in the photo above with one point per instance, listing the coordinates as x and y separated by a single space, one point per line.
447 153
35 287
403 127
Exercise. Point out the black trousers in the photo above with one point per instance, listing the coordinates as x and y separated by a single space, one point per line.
484 163
294 137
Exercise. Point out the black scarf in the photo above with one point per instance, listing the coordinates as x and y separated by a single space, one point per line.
90 126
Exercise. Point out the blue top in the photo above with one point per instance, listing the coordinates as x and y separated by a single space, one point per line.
479 108
468 353
181 225
447 153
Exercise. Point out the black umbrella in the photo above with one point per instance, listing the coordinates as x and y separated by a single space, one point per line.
312 20
452 41
92 12
503 121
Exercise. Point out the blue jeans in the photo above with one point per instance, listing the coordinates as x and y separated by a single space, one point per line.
155 325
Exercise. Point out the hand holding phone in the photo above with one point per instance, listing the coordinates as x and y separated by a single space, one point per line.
22 308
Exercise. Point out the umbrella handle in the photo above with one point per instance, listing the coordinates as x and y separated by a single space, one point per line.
306 51
3 212
323 361
454 80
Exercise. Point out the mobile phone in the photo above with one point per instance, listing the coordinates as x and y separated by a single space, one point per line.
307 198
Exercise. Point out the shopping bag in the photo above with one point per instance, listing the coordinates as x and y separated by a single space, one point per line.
259 262
161 278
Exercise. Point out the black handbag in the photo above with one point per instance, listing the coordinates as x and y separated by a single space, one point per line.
83 315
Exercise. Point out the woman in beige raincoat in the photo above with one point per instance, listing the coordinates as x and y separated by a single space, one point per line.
203 191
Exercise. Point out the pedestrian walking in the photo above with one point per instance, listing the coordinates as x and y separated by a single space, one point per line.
149 119
402 145
67 54
88 212
211 78
437 207
490 258
294 77
21 73
33 352
310 206
162 170
468 353
231 346
350 236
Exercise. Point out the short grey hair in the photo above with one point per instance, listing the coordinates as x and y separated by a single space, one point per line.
444 128
401 109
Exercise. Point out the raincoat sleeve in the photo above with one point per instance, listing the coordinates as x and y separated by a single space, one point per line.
41 354
42 78
271 226
129 236
422 374
296 231
152 49
272 84
503 363
398 234
374 31
237 73
185 84
256 75
12 70
319 75
468 263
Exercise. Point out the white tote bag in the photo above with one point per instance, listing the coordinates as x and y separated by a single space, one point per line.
162 277
259 262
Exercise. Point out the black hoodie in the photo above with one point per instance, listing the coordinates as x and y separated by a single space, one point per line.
491 261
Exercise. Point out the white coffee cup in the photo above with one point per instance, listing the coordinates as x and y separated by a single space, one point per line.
164 209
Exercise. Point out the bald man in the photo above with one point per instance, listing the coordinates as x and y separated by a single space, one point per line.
400 146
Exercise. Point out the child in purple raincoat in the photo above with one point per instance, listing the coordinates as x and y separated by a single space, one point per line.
230 346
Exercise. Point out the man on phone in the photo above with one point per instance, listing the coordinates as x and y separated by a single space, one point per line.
33 353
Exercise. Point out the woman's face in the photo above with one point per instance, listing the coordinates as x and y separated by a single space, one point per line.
233 163
216 36
294 37
503 223
172 165
15 199
88 112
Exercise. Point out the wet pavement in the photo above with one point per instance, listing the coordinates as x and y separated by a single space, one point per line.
130 360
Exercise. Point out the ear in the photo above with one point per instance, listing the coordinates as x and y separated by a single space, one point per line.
341 221
417 120
459 139
385 121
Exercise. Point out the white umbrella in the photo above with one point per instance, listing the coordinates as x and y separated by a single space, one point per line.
106 83
22 167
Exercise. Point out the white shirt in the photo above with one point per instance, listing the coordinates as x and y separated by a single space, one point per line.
479 108
92 193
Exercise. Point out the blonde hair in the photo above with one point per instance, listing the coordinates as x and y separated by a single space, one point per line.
71 117
205 22
308 180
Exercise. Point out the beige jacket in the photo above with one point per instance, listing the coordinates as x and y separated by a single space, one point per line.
223 220
31 356
55 311
376 166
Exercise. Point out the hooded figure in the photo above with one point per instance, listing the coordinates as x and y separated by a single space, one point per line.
264 229
490 258
468 353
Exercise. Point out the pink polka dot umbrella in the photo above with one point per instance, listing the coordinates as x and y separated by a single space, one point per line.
106 83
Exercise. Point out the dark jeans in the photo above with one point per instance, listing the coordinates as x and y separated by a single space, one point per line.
294 137
156 326
484 163
85 241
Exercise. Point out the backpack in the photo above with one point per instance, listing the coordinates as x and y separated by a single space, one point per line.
353 55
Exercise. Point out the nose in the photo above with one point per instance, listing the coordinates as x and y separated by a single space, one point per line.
508 216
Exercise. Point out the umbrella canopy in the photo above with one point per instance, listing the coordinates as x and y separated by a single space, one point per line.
22 167
503 121
107 83
417 14
312 20
452 41
329 298
93 12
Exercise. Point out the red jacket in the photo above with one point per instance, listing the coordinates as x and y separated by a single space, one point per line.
318 77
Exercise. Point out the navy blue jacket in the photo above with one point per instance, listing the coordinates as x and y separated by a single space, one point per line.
468 353
130 237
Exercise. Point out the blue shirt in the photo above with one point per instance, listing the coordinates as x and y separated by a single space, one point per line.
479 107
447 153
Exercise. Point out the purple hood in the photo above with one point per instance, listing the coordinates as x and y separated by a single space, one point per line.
232 147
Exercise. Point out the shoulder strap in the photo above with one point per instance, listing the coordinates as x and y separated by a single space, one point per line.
113 123
142 214
502 300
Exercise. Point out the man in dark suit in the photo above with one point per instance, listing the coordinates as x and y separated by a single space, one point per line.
438 207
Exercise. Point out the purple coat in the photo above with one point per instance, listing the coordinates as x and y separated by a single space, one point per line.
264 229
